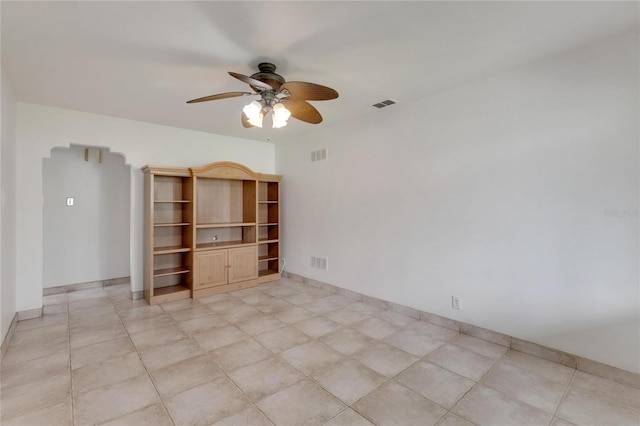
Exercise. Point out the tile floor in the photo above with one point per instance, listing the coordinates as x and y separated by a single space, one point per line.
282 353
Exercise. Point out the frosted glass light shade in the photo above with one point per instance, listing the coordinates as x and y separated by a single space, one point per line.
280 116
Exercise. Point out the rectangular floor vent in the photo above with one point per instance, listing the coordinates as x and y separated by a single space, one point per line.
319 155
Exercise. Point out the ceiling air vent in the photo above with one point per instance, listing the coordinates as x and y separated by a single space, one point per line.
384 103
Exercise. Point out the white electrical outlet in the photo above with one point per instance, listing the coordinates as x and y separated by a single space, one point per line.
455 302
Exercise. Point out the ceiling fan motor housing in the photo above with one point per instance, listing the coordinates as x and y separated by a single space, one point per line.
267 74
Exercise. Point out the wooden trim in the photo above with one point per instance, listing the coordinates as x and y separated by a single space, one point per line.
166 171
224 170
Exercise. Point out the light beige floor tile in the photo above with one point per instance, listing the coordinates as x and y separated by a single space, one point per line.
140 313
413 342
43 321
113 370
483 405
73 296
33 370
293 315
157 336
396 318
272 305
249 416
435 383
39 335
252 298
184 375
364 308
96 335
461 361
385 359
303 298
347 316
347 341
160 356
219 337
393 404
112 401
227 305
303 403
265 377
348 417
453 420
593 400
180 305
141 325
89 303
557 421
327 304
84 313
206 403
479 346
282 339
100 352
58 414
16 354
241 314
204 323
196 311
126 304
282 291
375 328
526 386
311 356
432 331
239 354
259 325
62 308
55 299
153 415
32 396
541 367
348 380
215 298
98 321
317 326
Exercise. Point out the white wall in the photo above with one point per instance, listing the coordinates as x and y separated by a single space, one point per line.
8 208
88 241
40 128
496 192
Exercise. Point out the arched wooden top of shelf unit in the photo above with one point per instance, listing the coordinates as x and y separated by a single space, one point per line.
228 170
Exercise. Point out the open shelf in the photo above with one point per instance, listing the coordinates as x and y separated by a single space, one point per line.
221 244
170 249
174 289
171 201
266 272
170 271
172 224
224 225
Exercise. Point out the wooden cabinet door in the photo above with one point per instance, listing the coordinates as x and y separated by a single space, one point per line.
243 264
210 269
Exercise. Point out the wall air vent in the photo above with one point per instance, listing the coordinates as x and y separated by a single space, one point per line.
319 155
384 103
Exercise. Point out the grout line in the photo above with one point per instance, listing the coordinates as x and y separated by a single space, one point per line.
566 392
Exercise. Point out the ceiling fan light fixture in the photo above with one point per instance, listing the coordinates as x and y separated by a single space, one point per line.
280 116
254 113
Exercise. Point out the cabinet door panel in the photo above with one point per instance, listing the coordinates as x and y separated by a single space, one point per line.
243 262
210 269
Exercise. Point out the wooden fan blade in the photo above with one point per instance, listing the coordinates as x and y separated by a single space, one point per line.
220 96
309 91
303 110
245 121
251 81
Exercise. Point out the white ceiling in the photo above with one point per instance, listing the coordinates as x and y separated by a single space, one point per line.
143 60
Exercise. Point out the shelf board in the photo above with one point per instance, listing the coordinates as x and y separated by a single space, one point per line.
267 202
221 244
161 291
267 241
268 224
224 225
170 249
267 258
171 224
170 271
266 272
171 201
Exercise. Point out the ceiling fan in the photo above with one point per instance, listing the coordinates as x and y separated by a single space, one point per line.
282 98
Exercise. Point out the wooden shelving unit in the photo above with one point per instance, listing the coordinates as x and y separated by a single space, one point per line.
168 234
209 230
